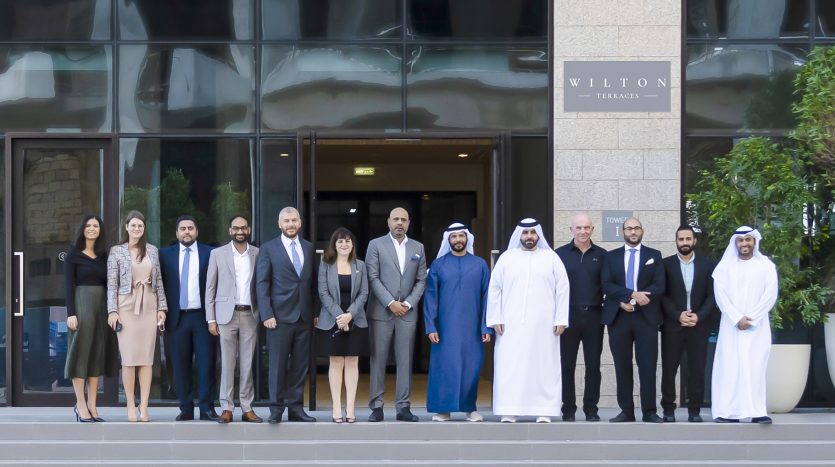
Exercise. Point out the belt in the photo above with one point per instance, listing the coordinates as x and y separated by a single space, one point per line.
191 310
243 308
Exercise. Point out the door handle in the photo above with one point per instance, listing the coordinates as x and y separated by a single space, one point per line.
19 300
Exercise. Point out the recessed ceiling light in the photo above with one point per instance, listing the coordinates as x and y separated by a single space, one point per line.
352 210
463 155
284 154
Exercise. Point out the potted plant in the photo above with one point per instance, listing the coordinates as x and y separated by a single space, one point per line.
764 183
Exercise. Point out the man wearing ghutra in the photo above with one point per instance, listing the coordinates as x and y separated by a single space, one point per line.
745 286
527 305
454 314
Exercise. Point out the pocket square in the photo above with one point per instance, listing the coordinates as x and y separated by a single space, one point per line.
651 261
416 257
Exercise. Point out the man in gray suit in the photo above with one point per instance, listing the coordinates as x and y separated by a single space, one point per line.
231 313
285 285
397 274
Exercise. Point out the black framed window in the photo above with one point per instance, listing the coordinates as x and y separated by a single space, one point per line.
331 19
167 20
478 19
50 20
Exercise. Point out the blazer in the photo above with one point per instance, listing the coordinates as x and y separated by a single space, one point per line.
222 285
281 293
386 281
329 295
170 261
674 300
120 279
650 279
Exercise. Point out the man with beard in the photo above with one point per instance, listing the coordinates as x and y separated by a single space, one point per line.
184 266
527 306
745 284
633 281
453 311
231 315
688 306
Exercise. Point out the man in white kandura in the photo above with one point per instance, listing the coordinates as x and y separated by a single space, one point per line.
527 305
745 285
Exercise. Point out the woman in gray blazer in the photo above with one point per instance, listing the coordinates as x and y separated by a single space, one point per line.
343 329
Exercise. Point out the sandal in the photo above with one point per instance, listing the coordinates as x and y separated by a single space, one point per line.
350 419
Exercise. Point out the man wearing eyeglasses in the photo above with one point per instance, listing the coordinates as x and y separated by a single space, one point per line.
633 282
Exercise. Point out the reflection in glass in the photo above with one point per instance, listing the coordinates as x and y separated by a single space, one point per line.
3 228
330 19
58 186
736 86
277 182
183 20
747 19
478 87
56 87
162 179
170 88
529 179
330 87
826 18
478 19
44 20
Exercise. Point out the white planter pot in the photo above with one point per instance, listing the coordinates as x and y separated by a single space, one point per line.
788 370
829 334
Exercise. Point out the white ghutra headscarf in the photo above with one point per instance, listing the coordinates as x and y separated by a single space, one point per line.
453 228
527 223
731 255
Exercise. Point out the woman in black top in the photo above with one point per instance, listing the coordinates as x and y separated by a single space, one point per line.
91 345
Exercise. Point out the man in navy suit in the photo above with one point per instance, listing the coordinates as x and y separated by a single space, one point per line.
187 337
633 281
285 288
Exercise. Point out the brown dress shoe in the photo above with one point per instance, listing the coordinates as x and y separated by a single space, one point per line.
225 417
251 417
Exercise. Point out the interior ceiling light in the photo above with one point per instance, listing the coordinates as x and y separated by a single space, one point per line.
284 154
463 155
352 210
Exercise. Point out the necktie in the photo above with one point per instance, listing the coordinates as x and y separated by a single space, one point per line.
297 262
184 279
630 270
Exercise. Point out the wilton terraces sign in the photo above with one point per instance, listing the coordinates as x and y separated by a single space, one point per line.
616 86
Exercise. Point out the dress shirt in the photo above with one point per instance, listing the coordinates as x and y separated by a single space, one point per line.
400 249
583 269
243 275
637 262
286 241
687 270
193 275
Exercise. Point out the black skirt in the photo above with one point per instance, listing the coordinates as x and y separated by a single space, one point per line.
353 343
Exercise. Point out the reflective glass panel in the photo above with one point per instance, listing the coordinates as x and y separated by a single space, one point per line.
167 88
346 87
478 19
825 19
747 19
3 339
734 86
330 19
467 87
277 182
529 180
184 20
56 88
47 20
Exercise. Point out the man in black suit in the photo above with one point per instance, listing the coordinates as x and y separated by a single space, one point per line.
688 305
633 282
284 274
187 337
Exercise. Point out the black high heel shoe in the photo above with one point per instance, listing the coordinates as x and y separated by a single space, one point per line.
96 419
78 416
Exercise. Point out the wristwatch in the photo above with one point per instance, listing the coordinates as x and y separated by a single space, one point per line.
633 302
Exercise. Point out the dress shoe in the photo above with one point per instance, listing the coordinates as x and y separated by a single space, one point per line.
592 417
299 416
210 415
376 415
622 417
761 420
474 417
225 417
725 420
568 417
251 417
406 415
669 418
275 418
79 418
185 416
652 418
694 418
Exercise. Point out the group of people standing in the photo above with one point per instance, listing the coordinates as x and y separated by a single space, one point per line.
539 305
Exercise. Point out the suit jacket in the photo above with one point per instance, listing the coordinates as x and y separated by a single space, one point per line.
387 283
222 286
282 294
329 295
674 301
650 279
120 280
170 265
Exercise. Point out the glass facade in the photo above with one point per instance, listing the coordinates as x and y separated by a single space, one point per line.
741 59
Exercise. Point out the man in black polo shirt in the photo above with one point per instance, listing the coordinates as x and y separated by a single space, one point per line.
583 260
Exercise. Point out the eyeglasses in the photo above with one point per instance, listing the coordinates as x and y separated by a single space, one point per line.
239 229
632 229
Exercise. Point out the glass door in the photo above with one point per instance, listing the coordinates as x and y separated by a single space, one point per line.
53 182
